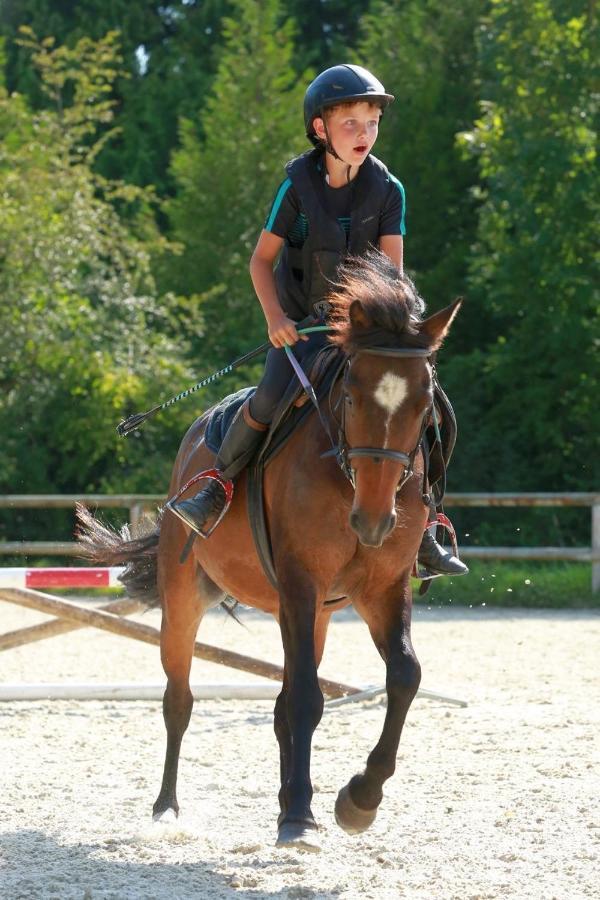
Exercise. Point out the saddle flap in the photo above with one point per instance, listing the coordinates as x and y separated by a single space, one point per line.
221 417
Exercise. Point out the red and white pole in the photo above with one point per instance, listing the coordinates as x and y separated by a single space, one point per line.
68 577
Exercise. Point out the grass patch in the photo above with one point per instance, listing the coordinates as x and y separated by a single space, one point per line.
536 585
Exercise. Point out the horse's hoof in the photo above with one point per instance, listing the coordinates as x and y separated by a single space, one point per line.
299 836
350 817
165 816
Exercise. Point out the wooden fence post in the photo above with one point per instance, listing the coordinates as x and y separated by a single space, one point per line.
136 511
595 547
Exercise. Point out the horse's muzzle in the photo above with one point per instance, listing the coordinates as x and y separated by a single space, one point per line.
372 533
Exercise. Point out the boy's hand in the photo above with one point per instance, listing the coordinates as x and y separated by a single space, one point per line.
283 331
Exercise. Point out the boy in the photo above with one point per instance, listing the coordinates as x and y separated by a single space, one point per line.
336 200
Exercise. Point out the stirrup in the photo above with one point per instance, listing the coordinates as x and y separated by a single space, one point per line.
444 521
212 475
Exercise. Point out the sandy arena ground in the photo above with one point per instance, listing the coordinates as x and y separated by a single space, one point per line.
497 800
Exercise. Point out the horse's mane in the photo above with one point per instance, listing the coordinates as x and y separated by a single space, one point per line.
391 305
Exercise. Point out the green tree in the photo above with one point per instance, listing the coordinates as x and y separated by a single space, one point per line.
532 419
424 52
169 57
252 123
326 31
81 321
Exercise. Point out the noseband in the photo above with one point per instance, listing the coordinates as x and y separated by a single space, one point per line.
344 453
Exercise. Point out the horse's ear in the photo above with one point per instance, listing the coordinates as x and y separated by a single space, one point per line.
358 315
437 326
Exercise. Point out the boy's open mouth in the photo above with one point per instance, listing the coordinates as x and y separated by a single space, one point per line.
360 149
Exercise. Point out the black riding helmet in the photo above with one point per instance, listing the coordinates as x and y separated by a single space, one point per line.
341 84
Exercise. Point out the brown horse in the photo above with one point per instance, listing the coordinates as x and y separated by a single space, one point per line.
349 530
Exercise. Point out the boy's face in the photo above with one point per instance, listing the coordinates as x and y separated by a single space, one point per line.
352 130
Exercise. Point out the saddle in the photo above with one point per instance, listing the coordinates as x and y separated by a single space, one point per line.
319 366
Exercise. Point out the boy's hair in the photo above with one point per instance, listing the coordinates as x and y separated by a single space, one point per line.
326 114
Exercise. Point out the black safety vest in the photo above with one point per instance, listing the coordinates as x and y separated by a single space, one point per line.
304 276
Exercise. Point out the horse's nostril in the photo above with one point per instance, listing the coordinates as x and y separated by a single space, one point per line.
393 520
354 520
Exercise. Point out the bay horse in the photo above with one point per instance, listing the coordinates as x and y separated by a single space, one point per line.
348 531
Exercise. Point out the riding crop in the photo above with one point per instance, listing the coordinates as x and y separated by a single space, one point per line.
134 421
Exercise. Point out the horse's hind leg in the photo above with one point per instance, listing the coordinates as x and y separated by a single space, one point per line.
187 594
388 619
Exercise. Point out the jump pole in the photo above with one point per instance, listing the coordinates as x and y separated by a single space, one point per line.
107 621
61 577
123 607
74 617
150 692
370 693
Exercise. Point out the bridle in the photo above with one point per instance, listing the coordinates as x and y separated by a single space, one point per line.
343 453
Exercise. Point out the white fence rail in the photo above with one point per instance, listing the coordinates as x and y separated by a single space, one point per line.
137 504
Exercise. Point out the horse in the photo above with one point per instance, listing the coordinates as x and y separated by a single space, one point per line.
345 525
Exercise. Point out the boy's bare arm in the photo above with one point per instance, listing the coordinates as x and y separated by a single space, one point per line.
393 246
281 330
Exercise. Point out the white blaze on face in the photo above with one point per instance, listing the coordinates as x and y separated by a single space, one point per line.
390 392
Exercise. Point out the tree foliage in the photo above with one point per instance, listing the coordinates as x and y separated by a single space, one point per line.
169 58
251 124
78 295
424 52
532 420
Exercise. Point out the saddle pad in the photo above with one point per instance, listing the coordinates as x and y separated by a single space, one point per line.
221 416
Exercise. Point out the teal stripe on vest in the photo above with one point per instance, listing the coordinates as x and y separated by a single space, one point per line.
400 187
277 203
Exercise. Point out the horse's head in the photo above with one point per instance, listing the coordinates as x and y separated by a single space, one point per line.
387 390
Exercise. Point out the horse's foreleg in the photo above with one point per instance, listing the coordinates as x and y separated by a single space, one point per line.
282 733
303 706
389 623
281 725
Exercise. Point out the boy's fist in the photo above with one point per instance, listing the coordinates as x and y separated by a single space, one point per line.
283 331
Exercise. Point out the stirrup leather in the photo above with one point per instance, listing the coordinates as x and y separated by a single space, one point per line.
444 521
212 475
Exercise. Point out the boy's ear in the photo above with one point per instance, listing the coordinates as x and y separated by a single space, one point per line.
319 127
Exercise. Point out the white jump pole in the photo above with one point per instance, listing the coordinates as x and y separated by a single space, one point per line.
371 692
150 692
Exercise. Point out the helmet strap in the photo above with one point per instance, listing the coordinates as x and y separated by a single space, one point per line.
331 149
328 145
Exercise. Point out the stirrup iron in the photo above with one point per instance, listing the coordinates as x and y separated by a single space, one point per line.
211 475
444 521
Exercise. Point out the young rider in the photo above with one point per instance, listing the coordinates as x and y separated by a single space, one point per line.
337 199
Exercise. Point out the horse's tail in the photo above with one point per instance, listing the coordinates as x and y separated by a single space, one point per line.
102 545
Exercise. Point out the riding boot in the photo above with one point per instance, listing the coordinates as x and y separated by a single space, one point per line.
239 445
437 560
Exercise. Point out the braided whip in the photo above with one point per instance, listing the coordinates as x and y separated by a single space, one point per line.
132 422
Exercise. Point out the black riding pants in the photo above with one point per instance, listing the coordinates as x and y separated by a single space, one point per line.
278 374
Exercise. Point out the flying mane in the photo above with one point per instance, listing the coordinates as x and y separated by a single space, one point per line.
391 306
